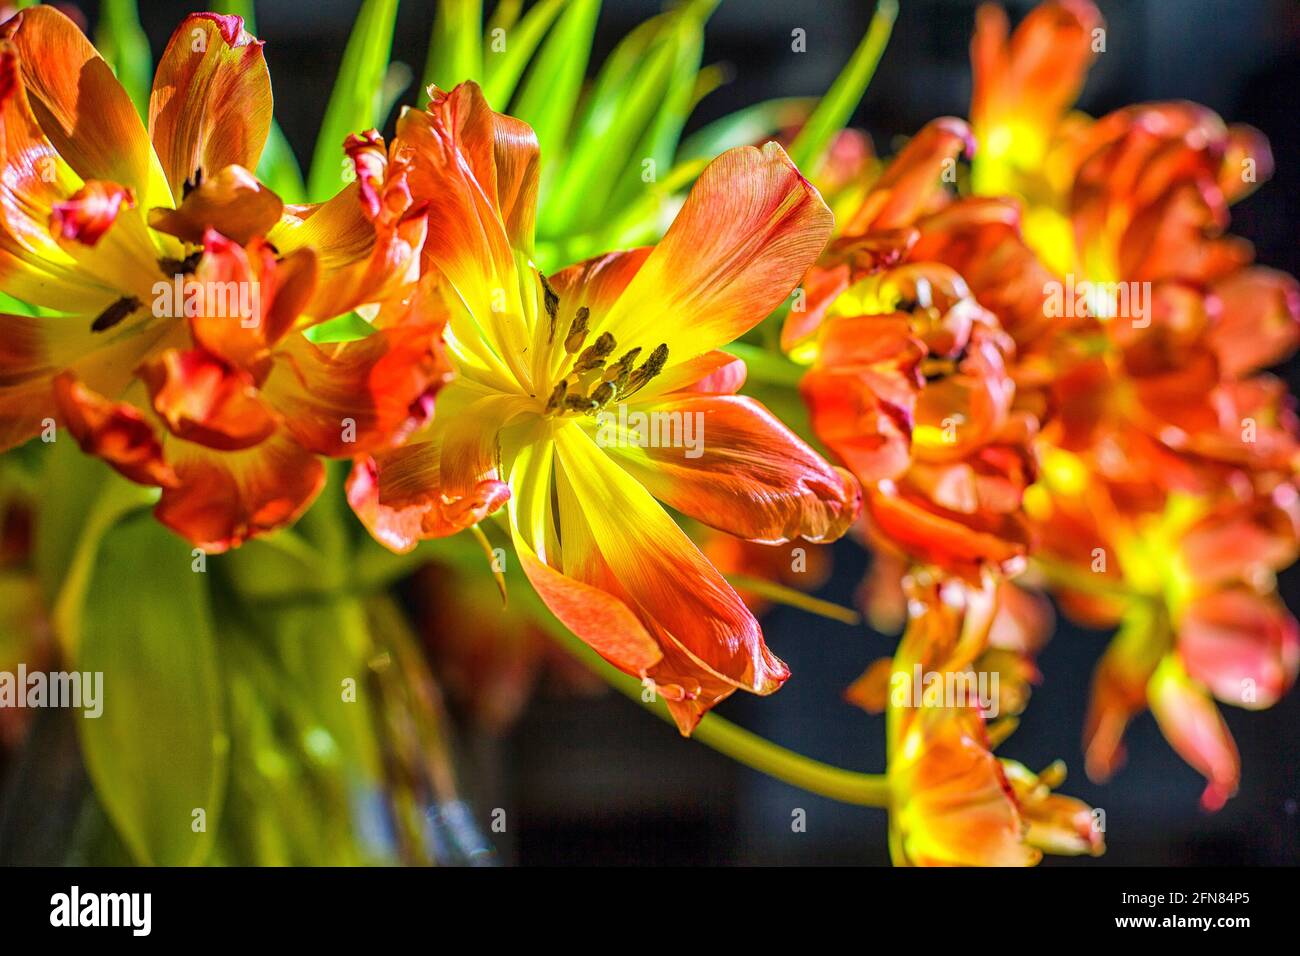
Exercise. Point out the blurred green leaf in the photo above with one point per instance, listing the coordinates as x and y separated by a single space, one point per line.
456 45
746 126
845 93
549 95
157 753
123 44
502 68
356 101
81 499
637 105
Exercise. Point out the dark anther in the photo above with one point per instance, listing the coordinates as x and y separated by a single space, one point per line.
115 313
181 267
193 183
594 355
552 302
652 367
577 331
556 400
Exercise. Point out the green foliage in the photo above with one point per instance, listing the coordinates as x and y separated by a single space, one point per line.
157 753
355 104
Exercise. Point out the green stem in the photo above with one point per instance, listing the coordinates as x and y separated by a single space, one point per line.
809 147
755 752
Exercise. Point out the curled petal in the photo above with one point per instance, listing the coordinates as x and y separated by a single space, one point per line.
1194 727
229 200
1244 647
389 495
357 397
245 300
908 186
89 212
862 393
211 101
204 400
113 431
223 498
747 475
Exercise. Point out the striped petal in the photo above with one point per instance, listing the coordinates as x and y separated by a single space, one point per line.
697 617
81 107
211 100
748 231
223 498
115 431
742 471
357 397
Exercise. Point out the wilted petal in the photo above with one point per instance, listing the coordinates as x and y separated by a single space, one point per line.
223 498
745 472
114 431
211 101
1194 727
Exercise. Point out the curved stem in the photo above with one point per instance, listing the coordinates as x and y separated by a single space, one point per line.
847 786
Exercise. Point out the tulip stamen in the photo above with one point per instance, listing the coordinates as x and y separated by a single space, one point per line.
594 355
115 313
652 367
551 300
577 331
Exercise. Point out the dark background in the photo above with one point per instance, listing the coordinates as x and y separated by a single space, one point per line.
601 781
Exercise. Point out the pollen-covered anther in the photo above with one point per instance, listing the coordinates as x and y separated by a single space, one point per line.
551 300
594 355
578 331
556 401
621 371
652 367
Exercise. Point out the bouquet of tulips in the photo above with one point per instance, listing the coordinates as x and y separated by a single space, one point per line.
585 388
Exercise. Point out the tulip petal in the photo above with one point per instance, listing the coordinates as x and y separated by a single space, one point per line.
743 472
223 498
1194 727
211 100
81 107
357 397
115 431
1244 647
666 578
703 286
202 399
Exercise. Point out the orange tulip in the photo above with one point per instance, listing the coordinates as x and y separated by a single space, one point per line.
182 285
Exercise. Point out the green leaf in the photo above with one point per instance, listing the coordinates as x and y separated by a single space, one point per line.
81 499
123 44
549 95
745 127
845 93
278 168
503 68
355 103
157 753
456 46
639 99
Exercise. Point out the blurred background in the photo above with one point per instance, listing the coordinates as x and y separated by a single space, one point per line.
592 778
